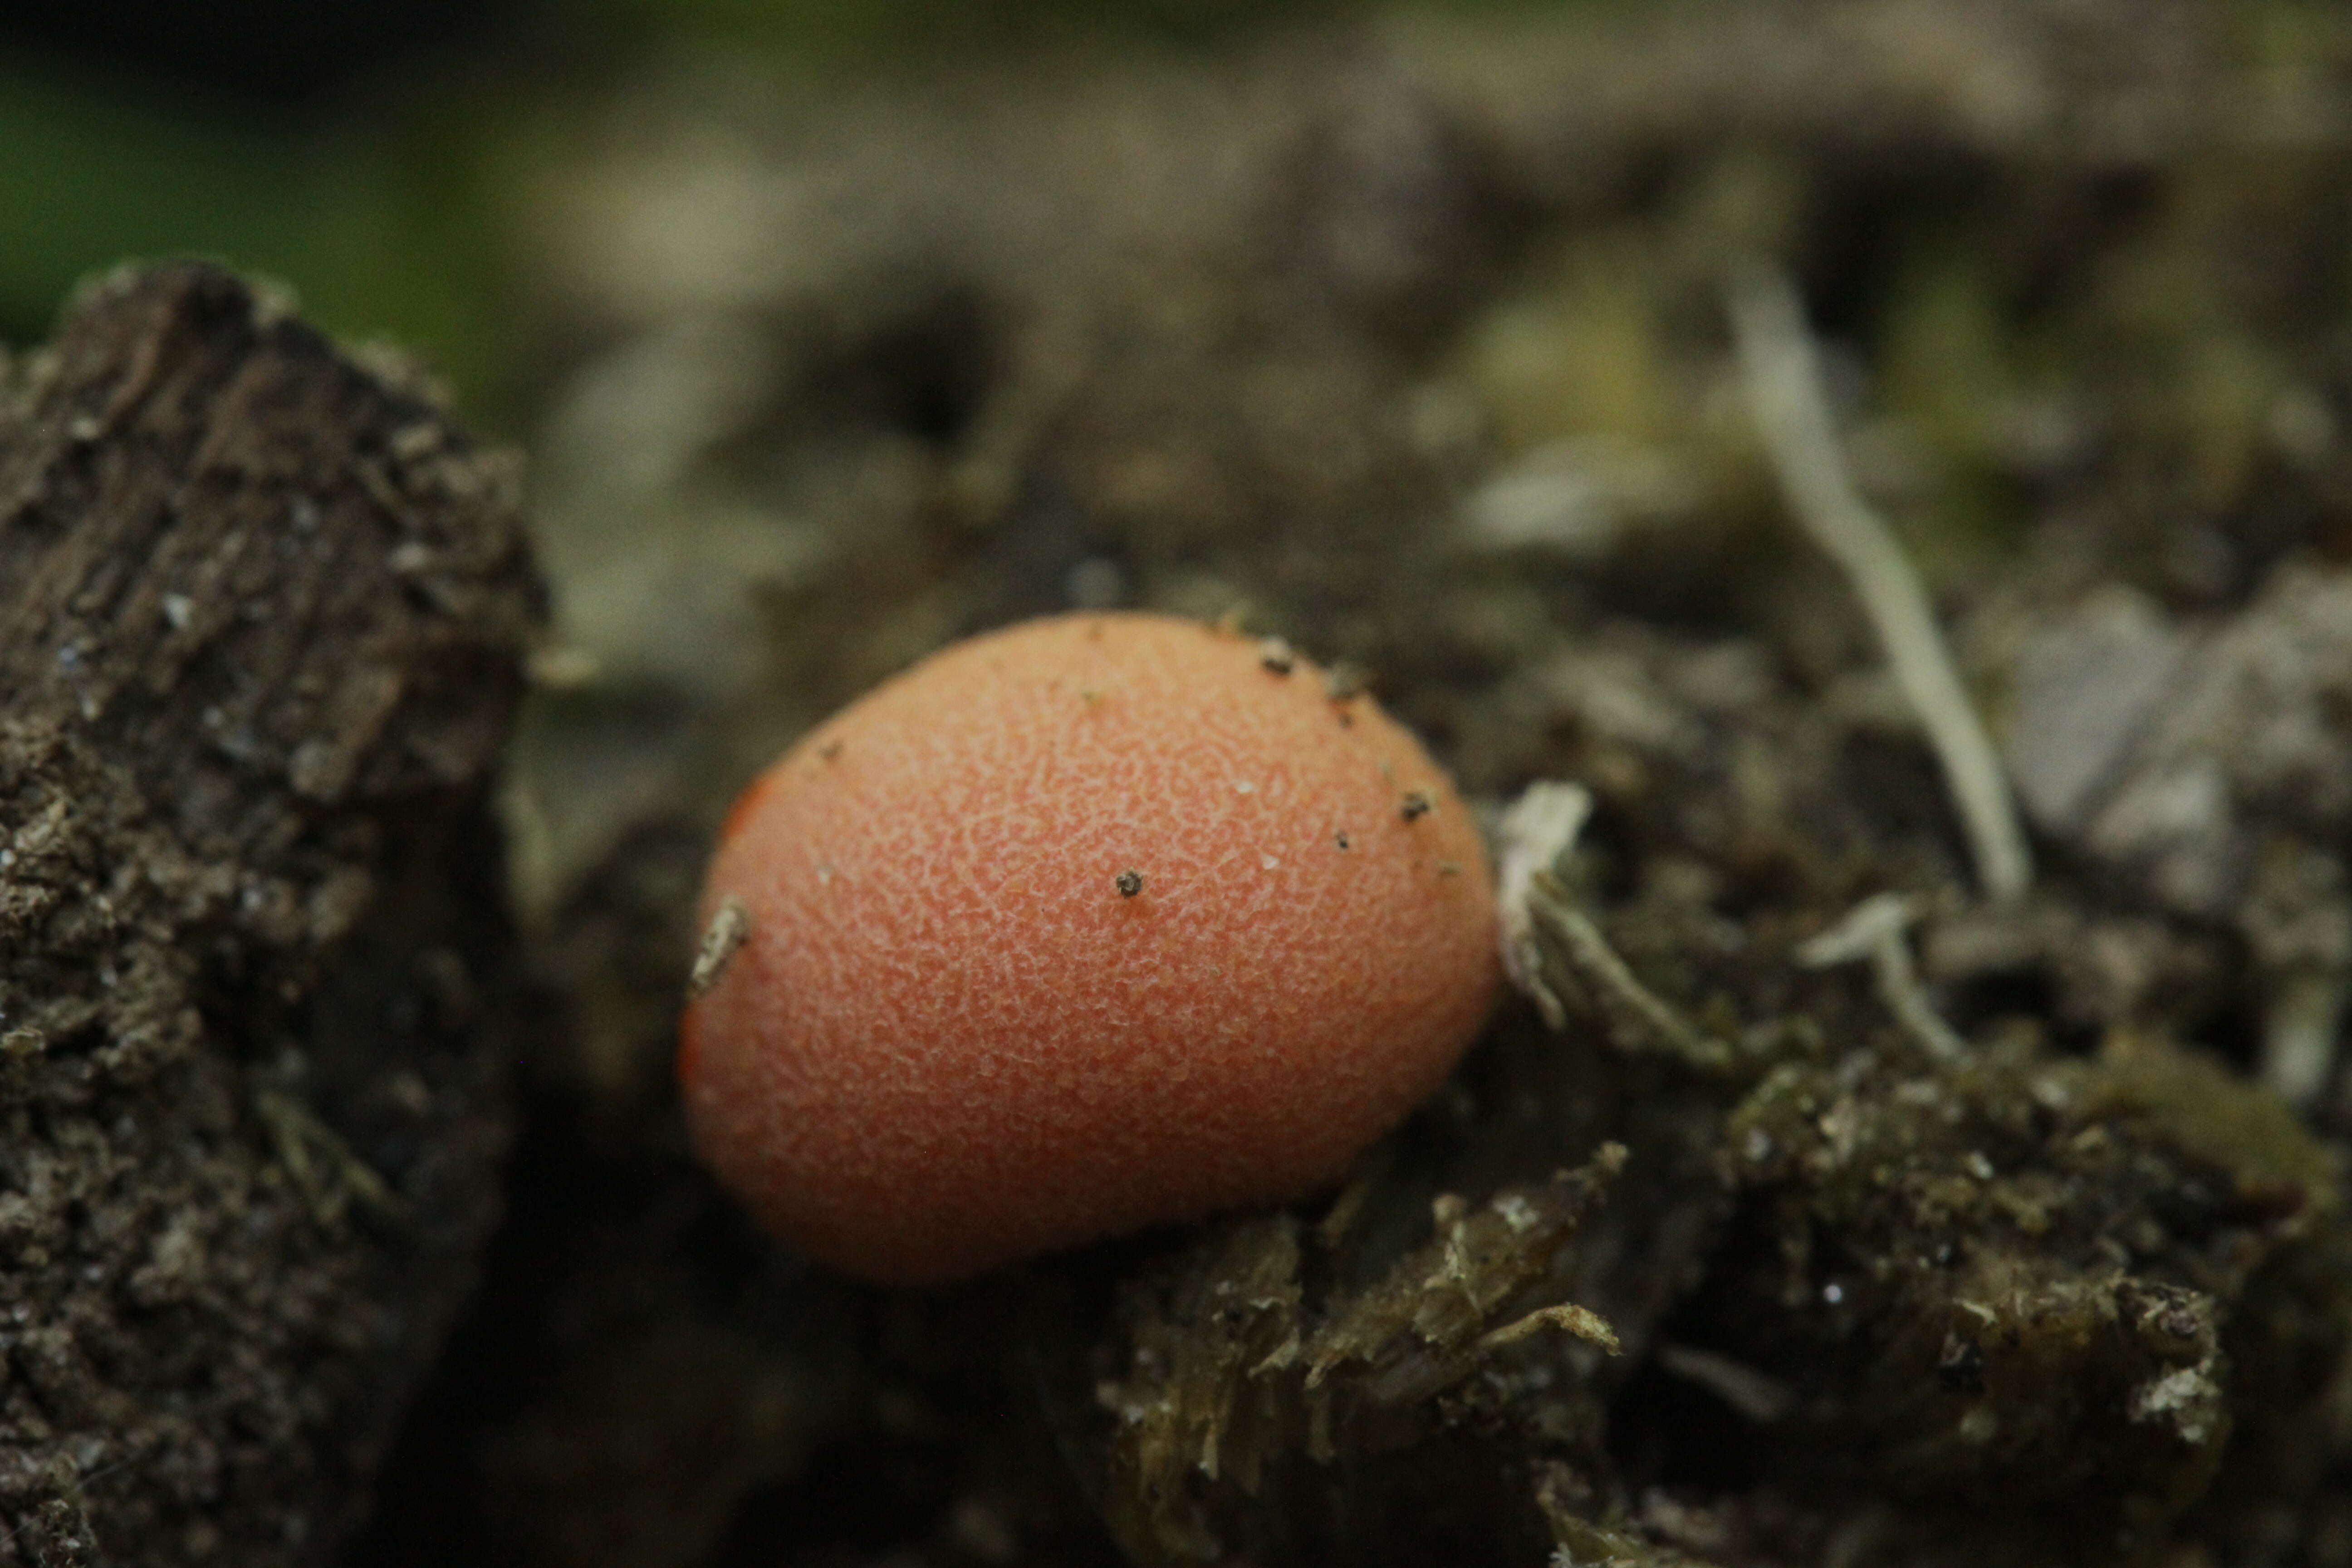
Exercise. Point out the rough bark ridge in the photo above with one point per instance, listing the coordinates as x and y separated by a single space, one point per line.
261 626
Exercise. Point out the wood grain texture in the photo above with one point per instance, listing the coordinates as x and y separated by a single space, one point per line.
262 618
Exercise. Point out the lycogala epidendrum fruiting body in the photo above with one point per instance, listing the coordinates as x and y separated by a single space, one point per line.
1093 923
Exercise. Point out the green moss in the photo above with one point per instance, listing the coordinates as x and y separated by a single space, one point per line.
1234 1370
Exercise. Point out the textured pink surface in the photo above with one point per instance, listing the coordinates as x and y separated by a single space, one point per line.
949 1041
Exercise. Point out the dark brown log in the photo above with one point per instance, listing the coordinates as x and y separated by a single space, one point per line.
262 623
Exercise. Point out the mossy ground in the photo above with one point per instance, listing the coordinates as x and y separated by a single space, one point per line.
1409 345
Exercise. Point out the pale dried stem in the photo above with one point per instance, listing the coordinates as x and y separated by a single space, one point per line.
1785 393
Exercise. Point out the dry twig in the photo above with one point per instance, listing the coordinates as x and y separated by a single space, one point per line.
1784 389
1875 929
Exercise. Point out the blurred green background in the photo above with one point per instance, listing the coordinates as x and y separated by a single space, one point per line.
363 153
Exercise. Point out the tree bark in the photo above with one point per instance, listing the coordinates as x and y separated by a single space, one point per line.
262 623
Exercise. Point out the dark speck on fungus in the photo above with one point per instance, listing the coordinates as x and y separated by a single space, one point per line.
1417 804
1274 655
1129 883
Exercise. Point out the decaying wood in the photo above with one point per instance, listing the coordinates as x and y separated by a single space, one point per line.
262 618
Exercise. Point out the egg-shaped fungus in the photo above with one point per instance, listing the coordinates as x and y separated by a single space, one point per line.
1092 923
